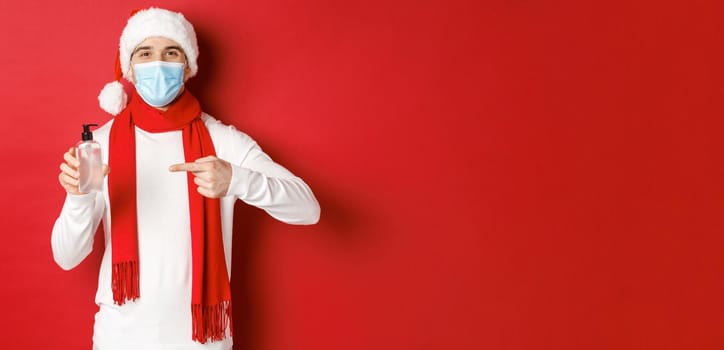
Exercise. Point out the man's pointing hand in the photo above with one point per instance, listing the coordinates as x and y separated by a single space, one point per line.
212 175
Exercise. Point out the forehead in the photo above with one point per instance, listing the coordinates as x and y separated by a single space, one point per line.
156 43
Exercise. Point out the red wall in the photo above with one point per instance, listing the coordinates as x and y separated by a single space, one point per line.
492 174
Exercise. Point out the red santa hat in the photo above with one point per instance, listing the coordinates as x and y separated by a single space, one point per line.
142 25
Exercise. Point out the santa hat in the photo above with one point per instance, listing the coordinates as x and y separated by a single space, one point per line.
142 25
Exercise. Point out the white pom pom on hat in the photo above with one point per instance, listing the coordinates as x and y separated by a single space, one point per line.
142 25
113 99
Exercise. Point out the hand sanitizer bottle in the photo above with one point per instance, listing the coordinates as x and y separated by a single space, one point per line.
91 163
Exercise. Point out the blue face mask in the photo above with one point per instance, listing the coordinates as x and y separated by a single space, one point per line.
159 82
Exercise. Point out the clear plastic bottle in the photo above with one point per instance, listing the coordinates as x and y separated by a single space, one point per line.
91 163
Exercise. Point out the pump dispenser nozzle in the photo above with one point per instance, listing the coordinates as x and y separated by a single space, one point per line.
87 135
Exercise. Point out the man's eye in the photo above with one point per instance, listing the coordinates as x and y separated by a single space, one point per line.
172 53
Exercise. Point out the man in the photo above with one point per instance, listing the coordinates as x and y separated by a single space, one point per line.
173 176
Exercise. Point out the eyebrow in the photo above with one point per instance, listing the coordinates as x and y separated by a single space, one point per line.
141 48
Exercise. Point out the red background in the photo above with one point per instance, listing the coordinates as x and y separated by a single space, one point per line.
492 174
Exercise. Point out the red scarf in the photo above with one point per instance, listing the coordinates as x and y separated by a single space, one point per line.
211 294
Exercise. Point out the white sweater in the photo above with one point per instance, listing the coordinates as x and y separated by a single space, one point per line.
161 317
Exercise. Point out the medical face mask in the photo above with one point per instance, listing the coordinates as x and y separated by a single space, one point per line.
159 82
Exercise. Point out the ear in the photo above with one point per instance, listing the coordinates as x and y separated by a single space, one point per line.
187 72
131 76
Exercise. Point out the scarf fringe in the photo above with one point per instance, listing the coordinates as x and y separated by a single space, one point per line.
125 282
211 321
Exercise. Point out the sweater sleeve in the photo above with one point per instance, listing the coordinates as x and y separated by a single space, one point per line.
72 237
259 181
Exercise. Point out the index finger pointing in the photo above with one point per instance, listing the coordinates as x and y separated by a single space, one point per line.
184 167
